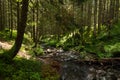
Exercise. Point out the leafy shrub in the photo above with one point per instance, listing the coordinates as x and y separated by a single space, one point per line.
111 49
37 51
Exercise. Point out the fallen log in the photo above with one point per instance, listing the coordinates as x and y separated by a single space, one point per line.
105 61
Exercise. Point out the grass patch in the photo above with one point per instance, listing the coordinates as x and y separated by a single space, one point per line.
20 69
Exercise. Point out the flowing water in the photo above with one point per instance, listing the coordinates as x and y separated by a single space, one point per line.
73 70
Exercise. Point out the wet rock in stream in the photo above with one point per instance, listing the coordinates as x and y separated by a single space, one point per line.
72 71
67 56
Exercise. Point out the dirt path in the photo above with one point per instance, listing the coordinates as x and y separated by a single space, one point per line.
21 53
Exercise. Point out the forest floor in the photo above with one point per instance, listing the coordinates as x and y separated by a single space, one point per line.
21 53
24 54
50 69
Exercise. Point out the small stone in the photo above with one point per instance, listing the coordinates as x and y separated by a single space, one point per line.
60 50
48 50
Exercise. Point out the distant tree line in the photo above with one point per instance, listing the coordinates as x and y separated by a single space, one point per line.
59 16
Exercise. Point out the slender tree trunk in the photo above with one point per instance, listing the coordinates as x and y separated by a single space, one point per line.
99 16
81 30
9 21
11 25
111 17
18 14
0 15
117 10
89 16
86 10
33 26
104 12
37 27
95 18
3 15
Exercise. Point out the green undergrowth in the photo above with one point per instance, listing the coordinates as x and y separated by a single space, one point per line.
50 40
1 51
103 46
36 51
5 36
22 69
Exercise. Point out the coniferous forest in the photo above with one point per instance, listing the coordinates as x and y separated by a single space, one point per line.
59 39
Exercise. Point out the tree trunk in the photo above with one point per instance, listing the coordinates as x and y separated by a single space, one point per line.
117 11
95 18
89 17
111 16
0 15
20 33
81 29
37 18
9 20
33 26
11 24
99 16
18 14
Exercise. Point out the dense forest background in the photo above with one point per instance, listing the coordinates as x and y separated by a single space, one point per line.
89 27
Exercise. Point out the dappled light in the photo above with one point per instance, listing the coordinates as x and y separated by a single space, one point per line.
59 39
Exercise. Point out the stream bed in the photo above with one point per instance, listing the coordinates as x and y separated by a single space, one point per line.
70 69
75 71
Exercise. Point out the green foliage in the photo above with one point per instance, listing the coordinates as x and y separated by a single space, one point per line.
1 51
50 40
18 0
111 49
27 40
21 69
5 35
39 50
114 34
69 40
105 46
64 42
115 31
36 51
102 46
